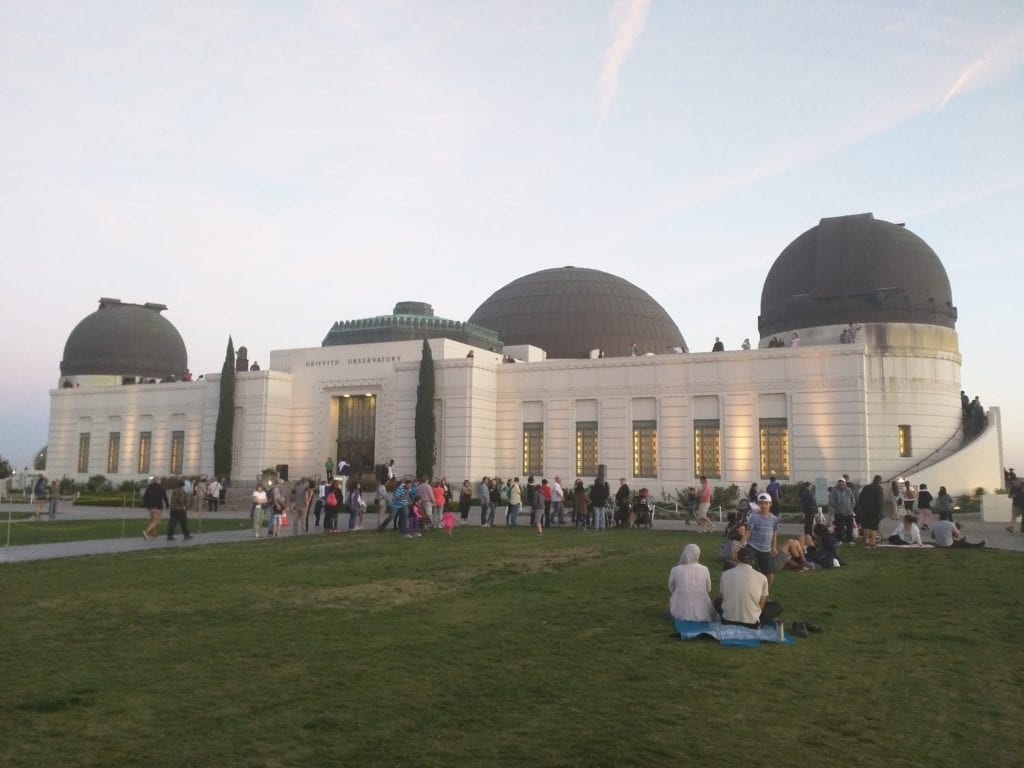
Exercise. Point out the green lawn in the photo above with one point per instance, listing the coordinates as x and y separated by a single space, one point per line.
498 647
52 531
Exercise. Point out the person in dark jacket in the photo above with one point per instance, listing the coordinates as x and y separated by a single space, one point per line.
869 510
155 500
809 505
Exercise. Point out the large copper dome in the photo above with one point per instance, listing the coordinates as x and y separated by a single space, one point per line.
570 311
855 269
121 339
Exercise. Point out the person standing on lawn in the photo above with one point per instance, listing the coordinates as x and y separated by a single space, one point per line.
869 510
763 536
841 502
154 499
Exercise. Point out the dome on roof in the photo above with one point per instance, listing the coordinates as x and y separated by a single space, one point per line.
855 269
569 311
125 340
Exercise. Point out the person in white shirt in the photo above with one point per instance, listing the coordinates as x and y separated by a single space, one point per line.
744 598
557 500
907 533
689 585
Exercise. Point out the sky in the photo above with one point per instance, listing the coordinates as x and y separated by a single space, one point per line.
268 168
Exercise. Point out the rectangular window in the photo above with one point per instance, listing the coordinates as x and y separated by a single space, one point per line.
774 438
586 448
145 444
707 448
533 448
645 449
113 451
83 453
177 451
906 449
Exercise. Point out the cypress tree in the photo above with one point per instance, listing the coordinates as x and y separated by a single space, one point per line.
425 424
225 416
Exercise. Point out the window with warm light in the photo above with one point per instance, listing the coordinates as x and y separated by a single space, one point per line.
707 448
586 448
83 452
774 439
906 449
113 451
645 449
533 448
145 445
177 451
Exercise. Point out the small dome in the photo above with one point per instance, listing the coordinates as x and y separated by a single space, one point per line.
125 340
567 312
855 269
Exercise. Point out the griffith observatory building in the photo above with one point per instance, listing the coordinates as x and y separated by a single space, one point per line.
537 382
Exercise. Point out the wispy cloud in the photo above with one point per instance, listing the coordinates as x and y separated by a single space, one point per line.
1001 55
628 18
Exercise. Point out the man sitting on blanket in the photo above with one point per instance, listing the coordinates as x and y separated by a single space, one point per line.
744 599
907 534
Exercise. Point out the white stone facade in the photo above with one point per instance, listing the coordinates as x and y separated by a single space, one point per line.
842 408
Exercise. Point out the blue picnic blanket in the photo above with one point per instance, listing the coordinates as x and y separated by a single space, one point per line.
730 634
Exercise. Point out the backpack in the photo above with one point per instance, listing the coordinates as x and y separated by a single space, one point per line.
178 500
332 499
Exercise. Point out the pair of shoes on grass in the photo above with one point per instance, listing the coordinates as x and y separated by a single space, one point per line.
803 628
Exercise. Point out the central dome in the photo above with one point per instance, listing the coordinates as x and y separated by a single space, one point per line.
569 311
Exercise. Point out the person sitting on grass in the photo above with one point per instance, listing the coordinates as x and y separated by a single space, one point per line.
791 554
744 599
733 542
689 585
906 534
946 534
824 550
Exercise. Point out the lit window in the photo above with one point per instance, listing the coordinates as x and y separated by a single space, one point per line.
177 451
145 444
83 453
645 449
586 448
707 448
113 450
533 448
774 438
906 449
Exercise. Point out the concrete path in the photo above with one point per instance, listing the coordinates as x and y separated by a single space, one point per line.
995 534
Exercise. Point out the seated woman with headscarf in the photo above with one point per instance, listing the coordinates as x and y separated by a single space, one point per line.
690 586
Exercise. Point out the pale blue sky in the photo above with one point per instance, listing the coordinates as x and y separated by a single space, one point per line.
343 156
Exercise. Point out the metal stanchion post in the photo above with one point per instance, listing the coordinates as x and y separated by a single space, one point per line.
8 529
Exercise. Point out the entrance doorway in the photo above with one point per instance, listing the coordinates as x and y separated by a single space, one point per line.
357 429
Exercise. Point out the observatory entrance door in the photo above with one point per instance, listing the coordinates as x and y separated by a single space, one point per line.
357 423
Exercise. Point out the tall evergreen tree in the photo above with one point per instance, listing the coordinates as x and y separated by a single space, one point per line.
225 416
425 424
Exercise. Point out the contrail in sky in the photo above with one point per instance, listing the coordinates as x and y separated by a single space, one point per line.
1011 44
628 18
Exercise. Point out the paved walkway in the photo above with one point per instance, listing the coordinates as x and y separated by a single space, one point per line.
994 534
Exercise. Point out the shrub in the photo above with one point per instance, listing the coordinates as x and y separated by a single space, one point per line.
97 483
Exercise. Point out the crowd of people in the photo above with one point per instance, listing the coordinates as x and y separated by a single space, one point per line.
751 553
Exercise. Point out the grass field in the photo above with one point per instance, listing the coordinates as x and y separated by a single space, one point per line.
26 531
499 647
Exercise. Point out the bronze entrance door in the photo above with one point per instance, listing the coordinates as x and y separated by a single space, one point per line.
357 420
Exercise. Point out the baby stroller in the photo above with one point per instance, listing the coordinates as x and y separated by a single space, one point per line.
644 509
743 508
419 521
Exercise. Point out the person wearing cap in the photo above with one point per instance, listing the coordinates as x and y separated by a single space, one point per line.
744 599
763 536
841 502
154 499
